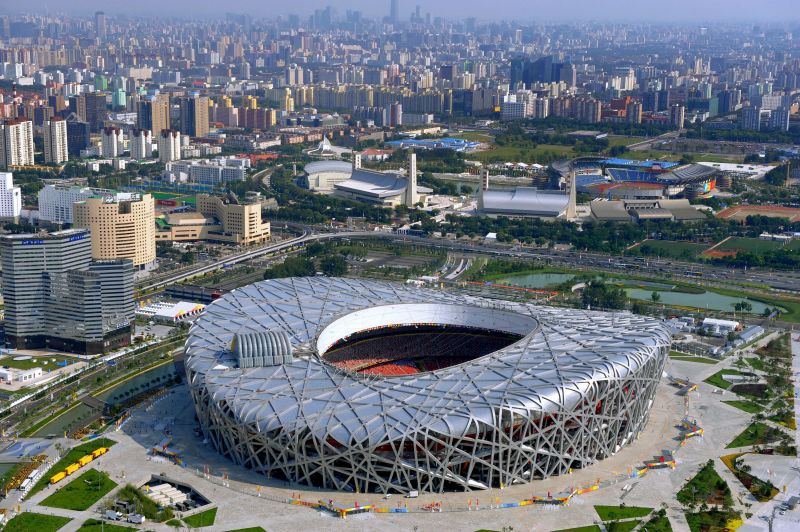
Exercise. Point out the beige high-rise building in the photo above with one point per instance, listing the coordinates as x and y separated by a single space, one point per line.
241 221
55 141
16 143
169 145
122 227
152 112
194 116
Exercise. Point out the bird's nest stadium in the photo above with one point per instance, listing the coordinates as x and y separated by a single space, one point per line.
370 386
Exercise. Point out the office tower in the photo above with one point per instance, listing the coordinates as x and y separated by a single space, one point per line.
56 202
10 197
122 227
78 135
194 116
677 115
650 101
394 14
100 24
633 112
16 143
91 108
57 102
169 145
241 221
448 72
729 100
56 145
113 142
57 298
141 144
152 112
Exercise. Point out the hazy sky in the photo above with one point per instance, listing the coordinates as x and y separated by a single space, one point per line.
605 10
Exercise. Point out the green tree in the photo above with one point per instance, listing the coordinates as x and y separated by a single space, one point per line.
333 266
655 297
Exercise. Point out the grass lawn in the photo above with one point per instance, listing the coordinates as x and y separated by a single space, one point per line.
712 520
81 493
12 471
706 486
590 528
45 362
659 523
755 245
672 248
624 526
95 525
757 433
202 519
28 521
717 380
699 360
747 406
755 363
72 456
251 529
474 136
613 513
522 154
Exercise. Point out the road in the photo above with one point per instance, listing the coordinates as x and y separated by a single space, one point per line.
709 275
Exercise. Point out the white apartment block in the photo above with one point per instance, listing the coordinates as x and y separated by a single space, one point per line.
10 197
55 141
141 144
169 146
16 143
113 143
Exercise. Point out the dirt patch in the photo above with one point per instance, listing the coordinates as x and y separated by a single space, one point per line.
717 254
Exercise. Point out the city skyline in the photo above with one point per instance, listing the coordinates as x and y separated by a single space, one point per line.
507 10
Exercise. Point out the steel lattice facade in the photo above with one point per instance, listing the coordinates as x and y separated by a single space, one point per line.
574 390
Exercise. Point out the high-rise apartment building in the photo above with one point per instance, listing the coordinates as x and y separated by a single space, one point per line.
394 11
10 197
141 144
56 145
633 112
294 75
677 115
194 116
113 142
169 145
16 143
56 297
122 226
152 112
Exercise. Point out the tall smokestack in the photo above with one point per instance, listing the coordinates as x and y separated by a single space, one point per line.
411 188
572 210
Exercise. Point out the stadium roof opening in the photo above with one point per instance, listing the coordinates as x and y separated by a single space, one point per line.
638 164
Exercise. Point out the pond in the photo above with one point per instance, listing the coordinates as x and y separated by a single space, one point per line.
535 280
706 300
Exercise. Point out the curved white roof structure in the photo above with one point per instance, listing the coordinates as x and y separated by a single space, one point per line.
525 201
576 388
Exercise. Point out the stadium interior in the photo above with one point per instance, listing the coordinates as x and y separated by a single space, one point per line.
408 350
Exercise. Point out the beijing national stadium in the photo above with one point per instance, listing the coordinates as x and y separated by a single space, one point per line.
371 386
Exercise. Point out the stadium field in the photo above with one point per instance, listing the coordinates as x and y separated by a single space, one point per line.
753 245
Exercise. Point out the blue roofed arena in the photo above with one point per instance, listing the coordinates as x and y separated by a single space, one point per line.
370 386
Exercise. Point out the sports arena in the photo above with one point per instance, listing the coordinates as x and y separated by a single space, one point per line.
371 386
